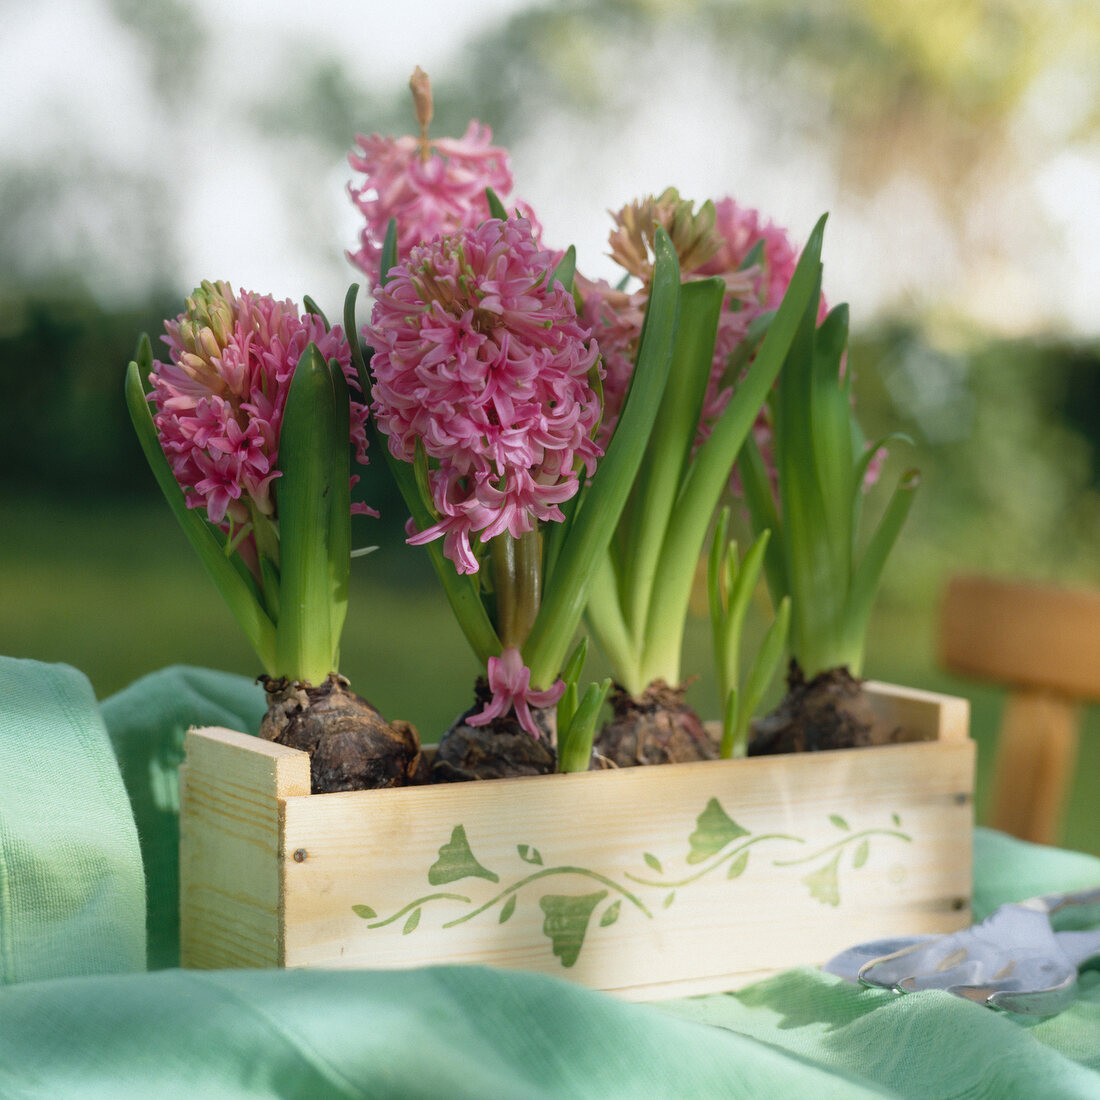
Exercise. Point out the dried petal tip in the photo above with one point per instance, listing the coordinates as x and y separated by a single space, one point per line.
422 98
693 234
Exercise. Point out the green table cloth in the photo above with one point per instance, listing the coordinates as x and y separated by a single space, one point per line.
80 1017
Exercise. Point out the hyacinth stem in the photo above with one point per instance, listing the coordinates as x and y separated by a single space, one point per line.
237 586
671 509
708 473
669 449
812 558
517 581
594 525
314 553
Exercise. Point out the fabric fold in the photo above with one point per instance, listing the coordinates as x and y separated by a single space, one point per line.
72 894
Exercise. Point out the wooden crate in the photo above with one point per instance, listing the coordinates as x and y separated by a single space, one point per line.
645 882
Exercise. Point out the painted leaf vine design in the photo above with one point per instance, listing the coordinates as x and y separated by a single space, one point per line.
716 843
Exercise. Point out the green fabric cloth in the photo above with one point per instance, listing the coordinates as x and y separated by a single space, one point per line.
147 722
72 898
470 1031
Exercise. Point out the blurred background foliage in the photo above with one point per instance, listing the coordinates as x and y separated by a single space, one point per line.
941 134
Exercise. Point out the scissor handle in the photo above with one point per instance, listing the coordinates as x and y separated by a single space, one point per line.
1075 909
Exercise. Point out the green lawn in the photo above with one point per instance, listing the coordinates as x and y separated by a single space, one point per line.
117 592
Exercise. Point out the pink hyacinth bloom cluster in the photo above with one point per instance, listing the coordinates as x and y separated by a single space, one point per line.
479 358
741 229
510 683
616 316
219 401
427 195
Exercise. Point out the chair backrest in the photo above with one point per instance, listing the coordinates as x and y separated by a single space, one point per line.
1043 644
1023 635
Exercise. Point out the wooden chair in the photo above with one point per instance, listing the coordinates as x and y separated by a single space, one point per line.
1043 644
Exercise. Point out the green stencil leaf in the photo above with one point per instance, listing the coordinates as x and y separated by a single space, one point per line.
364 911
565 922
529 854
457 861
412 922
862 852
714 829
652 861
610 914
669 900
896 819
508 910
823 882
839 822
738 866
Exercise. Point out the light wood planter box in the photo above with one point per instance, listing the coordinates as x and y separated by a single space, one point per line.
646 882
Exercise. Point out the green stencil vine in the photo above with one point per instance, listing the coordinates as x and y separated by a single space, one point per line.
716 843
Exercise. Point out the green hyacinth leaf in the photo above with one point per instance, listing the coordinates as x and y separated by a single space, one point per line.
236 585
823 882
508 910
862 852
389 253
496 207
714 829
737 867
364 911
411 923
310 306
567 269
610 914
456 861
565 922
313 550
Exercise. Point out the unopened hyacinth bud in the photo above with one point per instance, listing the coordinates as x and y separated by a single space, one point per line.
428 186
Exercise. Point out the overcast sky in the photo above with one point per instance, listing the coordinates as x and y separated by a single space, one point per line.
73 81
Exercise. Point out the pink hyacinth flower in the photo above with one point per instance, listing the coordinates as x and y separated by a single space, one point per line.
616 316
427 195
218 402
741 229
480 359
510 683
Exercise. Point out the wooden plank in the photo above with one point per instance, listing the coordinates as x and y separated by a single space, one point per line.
230 906
646 882
836 848
1033 768
925 715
